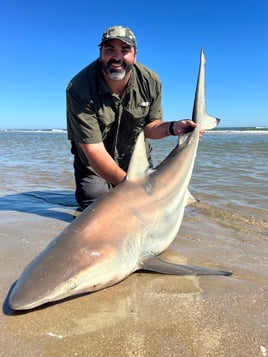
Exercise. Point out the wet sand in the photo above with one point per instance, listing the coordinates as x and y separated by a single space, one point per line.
147 315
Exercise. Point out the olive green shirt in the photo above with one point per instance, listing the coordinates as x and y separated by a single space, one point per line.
95 114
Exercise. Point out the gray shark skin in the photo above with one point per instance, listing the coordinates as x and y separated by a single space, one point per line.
124 231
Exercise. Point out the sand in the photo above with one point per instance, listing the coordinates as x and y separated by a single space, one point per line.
146 315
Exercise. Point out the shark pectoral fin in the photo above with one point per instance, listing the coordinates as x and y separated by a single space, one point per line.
160 266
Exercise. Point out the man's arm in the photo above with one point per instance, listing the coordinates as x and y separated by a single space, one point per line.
103 164
158 129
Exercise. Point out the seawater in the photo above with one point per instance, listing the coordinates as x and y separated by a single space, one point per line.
230 173
230 169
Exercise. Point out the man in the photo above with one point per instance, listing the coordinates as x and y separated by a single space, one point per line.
108 104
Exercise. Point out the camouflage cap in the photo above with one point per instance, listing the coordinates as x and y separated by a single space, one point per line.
119 33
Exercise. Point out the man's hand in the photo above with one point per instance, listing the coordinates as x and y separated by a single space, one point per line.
184 126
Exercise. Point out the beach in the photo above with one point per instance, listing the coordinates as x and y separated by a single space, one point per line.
146 315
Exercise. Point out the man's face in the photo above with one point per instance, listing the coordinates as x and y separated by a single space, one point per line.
117 59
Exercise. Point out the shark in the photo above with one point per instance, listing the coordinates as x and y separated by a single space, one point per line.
124 231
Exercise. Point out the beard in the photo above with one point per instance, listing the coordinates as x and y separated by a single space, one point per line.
116 74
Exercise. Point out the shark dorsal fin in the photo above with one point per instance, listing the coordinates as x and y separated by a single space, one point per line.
139 166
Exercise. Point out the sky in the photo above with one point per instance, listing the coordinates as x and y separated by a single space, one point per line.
45 43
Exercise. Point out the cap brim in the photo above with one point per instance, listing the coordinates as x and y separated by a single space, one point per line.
116 38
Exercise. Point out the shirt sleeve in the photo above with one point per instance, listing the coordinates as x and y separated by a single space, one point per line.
82 122
156 103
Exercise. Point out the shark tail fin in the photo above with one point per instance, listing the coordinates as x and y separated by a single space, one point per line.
209 122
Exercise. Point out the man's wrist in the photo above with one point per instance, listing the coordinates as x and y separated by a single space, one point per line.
171 128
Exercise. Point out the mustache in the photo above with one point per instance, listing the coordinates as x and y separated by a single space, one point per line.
111 61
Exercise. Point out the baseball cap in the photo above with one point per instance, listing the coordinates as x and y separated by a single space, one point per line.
119 33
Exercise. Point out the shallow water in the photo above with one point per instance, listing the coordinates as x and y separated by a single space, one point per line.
230 174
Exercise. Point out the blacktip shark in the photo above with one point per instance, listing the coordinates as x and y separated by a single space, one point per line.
124 231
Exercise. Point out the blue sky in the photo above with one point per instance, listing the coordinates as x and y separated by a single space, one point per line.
45 43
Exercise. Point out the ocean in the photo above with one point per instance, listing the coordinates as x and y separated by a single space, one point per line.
230 173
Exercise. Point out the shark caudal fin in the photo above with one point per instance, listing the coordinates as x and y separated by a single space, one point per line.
200 115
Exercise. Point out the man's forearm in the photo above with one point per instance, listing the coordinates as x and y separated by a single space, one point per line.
103 164
158 129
